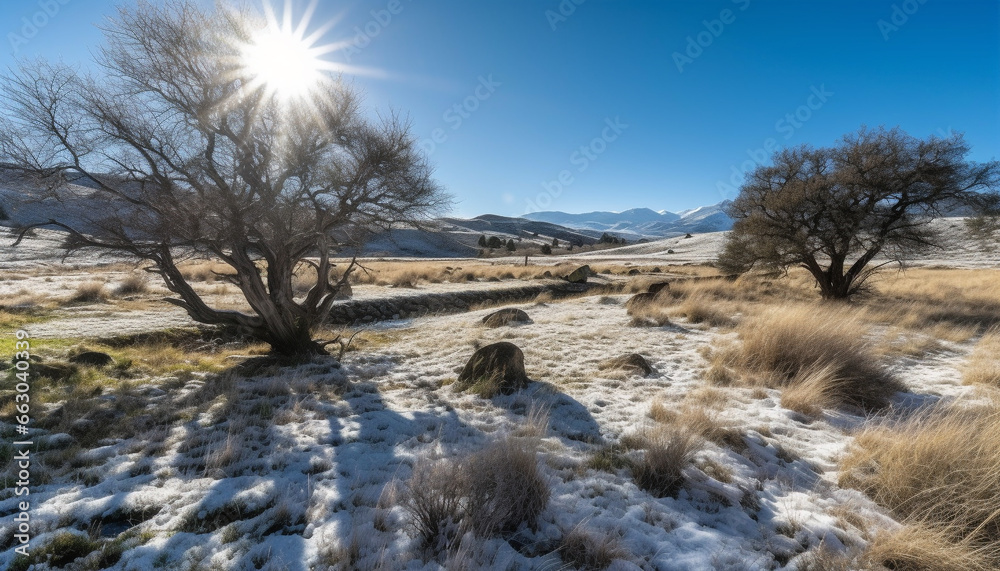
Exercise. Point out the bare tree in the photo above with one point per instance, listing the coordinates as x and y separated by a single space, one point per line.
188 156
837 211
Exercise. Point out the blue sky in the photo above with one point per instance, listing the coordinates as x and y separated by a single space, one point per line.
608 105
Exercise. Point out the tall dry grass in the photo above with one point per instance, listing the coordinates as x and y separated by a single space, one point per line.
983 365
939 468
819 351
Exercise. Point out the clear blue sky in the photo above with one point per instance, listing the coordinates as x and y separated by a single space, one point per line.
563 72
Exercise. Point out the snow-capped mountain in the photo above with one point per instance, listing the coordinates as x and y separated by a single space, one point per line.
643 222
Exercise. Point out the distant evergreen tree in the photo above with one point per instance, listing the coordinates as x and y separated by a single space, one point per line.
494 242
555 242
510 246
482 241
546 249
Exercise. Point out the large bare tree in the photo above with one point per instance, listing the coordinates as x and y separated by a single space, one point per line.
842 212
188 153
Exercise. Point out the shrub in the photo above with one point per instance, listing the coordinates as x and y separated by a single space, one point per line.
940 467
491 492
134 284
667 451
504 488
588 550
90 292
789 345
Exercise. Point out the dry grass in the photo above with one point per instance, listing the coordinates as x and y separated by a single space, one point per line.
589 550
941 467
983 367
793 344
134 284
667 451
90 292
813 390
491 492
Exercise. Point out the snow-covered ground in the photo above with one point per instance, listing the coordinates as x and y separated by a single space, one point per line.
226 485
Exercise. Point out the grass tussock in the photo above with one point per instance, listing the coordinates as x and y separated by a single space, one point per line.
489 493
667 450
90 292
940 468
133 284
590 550
983 367
825 346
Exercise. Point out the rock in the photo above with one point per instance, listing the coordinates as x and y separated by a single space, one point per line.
92 359
55 371
547 274
631 363
579 275
496 368
688 236
658 287
506 317
633 272
670 251
657 270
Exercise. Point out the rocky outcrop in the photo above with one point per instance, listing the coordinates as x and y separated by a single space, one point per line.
506 316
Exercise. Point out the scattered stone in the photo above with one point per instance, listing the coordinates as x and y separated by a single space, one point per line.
496 368
506 316
634 272
579 275
631 363
670 251
547 274
688 236
92 359
658 287
657 270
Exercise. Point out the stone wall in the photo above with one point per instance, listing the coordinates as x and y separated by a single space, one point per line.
413 305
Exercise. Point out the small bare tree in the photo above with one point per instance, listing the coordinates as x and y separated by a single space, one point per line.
834 211
187 155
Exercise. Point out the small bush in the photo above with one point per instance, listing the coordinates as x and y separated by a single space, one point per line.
134 284
589 550
941 467
492 492
90 292
788 345
667 452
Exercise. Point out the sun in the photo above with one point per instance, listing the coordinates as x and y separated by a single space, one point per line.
283 63
283 60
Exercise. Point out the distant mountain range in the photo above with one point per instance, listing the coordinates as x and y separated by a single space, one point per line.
639 223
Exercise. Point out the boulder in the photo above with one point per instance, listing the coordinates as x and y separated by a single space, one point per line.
506 316
658 287
92 359
634 272
630 363
579 275
496 368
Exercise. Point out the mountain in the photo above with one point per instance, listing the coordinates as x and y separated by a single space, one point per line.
640 223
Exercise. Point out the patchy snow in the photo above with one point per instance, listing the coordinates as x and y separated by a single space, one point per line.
237 487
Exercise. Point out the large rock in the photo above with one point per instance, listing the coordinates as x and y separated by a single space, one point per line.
506 316
496 368
579 275
92 359
630 363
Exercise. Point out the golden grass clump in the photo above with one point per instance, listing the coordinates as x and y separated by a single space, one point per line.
90 292
983 366
823 345
134 284
940 467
